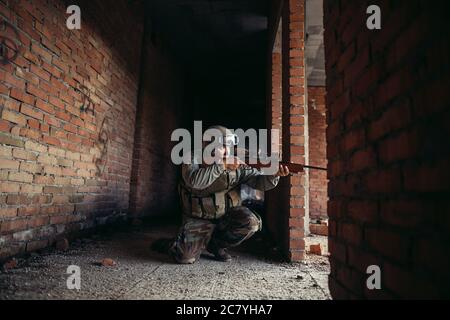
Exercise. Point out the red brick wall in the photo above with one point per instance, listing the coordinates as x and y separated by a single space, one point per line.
64 169
160 112
388 151
318 182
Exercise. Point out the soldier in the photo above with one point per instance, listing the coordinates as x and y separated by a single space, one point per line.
213 215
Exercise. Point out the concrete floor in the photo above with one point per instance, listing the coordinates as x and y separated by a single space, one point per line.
143 274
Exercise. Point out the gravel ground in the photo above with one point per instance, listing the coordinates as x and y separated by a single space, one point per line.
141 274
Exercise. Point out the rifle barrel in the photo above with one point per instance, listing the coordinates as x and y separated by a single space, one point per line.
293 167
315 168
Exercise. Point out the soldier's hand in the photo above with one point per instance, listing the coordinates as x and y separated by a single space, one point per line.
283 172
233 163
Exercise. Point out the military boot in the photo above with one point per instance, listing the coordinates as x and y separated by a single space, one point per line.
219 253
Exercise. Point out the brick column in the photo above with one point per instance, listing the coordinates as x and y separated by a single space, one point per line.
294 126
274 202
318 182
276 116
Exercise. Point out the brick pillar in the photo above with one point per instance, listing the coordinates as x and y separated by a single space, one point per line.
294 124
318 182
274 202
276 117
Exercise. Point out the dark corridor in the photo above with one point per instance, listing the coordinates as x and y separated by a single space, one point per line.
222 46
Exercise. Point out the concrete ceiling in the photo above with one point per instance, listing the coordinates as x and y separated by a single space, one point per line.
203 31
315 52
198 28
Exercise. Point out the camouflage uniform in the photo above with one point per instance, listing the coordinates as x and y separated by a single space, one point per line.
213 214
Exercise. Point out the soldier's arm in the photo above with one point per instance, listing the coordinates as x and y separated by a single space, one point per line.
256 180
198 178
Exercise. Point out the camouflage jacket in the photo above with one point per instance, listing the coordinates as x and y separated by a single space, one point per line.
208 192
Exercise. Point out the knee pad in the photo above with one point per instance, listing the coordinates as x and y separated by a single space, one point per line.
255 222
246 217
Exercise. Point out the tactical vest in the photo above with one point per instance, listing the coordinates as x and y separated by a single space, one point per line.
213 202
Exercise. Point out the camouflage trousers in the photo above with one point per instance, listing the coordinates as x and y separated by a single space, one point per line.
237 226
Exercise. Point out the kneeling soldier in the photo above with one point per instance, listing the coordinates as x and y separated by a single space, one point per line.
213 215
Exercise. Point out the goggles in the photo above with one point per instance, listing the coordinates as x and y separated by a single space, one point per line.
229 140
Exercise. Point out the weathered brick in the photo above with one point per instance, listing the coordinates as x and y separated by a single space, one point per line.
24 155
30 167
44 180
13 225
30 188
51 141
363 159
44 75
39 222
45 106
386 181
390 244
62 181
47 160
352 233
73 155
65 163
363 211
33 146
56 102
7 213
77 182
60 199
56 152
5 126
9 187
9 164
29 111
399 147
33 90
14 118
58 220
53 190
22 96
20 177
5 152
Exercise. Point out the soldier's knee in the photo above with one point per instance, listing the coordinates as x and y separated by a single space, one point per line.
254 223
249 220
